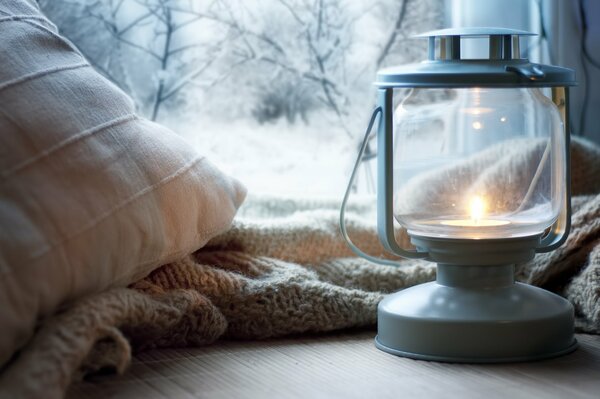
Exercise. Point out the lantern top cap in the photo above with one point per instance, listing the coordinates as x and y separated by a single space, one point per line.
502 67
503 43
475 32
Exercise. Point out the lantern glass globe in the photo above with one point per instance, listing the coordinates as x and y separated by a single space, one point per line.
478 162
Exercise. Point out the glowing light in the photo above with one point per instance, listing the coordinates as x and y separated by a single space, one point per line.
470 223
475 110
477 125
503 119
477 207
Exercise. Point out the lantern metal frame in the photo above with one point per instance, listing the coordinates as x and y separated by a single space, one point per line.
475 311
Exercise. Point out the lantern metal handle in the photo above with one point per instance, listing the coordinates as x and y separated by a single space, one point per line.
560 229
385 179
343 229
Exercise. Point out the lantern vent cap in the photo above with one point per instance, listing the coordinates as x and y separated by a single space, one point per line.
503 43
503 67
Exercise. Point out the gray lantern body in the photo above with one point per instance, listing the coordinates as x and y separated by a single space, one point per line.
474 164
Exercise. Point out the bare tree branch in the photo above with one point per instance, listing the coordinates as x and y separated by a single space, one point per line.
185 48
134 23
235 25
164 61
392 37
176 87
292 12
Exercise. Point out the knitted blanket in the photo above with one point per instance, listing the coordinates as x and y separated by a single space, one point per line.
281 269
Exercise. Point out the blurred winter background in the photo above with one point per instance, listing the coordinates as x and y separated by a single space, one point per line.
276 92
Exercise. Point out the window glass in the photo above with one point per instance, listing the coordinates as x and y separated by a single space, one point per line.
276 92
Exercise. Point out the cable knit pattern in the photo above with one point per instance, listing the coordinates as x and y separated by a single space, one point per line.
282 268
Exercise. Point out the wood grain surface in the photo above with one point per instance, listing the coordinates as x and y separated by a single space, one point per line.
342 365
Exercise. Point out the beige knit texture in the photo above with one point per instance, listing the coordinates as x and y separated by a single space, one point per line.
282 269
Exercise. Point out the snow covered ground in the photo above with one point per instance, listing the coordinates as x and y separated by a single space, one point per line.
280 159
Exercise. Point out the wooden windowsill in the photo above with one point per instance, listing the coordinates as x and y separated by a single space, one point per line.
341 365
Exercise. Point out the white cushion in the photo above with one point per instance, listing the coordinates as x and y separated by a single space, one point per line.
91 195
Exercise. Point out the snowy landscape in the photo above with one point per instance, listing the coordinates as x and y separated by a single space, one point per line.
275 92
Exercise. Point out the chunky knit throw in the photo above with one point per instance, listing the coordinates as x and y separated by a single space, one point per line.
282 269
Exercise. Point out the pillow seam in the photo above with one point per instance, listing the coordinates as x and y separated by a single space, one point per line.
146 190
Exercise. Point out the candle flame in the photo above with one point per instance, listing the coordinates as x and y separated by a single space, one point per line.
477 206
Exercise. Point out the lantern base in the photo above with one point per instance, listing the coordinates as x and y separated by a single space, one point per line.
475 314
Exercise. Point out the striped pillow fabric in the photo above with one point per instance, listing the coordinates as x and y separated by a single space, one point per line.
91 195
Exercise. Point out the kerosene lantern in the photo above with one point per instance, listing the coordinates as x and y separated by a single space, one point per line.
473 162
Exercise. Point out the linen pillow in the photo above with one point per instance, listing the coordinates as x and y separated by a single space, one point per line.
91 195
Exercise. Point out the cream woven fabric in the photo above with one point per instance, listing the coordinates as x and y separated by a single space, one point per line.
283 268
91 195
